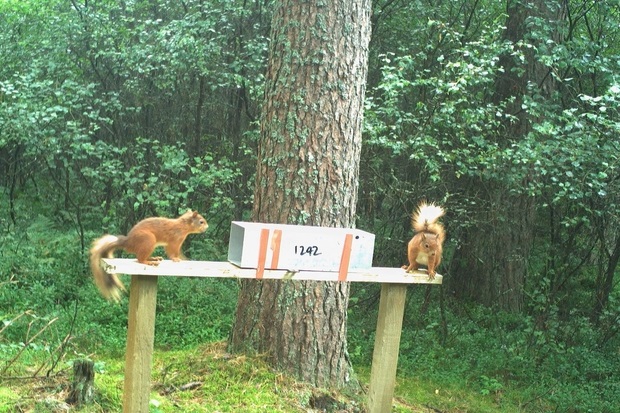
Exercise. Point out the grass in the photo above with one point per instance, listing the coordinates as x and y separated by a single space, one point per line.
486 362
203 379
208 379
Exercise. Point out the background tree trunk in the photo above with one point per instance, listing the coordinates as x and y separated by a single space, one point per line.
493 256
308 166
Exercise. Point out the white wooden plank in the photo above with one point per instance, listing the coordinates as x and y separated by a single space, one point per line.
224 269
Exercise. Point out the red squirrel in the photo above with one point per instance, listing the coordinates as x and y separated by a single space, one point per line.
426 245
141 241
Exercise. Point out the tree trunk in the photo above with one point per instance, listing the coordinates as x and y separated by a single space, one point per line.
82 390
605 285
492 259
308 166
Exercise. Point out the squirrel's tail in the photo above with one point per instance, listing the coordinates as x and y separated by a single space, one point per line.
109 284
425 218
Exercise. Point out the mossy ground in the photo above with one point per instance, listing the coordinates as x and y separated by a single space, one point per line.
208 379
203 379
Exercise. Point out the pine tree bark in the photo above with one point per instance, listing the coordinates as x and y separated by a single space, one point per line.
308 166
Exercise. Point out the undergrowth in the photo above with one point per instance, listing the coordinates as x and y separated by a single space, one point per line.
481 354
453 358
202 379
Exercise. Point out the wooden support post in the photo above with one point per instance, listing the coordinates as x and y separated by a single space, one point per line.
140 336
142 301
387 343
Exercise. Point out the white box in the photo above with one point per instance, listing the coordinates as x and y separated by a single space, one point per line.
298 247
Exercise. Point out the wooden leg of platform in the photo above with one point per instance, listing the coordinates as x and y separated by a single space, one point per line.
140 336
387 343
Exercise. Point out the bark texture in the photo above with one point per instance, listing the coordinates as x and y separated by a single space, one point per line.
308 166
83 386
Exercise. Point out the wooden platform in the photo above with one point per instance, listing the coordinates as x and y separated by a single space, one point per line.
142 309
227 270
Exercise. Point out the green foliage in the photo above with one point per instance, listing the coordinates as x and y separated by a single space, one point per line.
113 112
100 106
48 274
489 386
190 381
207 306
537 363
436 129
8 399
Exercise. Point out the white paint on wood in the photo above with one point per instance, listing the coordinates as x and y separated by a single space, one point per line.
224 269
298 247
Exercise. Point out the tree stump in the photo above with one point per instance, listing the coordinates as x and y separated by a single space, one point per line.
82 389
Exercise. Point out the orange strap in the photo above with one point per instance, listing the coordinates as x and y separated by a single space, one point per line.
346 258
275 247
262 253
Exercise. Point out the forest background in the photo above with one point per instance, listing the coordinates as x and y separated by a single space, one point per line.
114 111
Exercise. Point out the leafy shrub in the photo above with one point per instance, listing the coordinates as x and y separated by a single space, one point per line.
191 311
557 363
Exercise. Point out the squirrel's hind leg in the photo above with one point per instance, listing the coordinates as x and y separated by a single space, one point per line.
143 254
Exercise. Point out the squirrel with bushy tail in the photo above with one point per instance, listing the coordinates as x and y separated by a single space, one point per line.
426 245
141 241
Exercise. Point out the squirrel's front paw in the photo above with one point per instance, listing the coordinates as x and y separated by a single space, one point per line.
153 261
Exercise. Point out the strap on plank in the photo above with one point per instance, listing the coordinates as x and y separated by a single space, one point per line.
346 258
275 247
262 253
